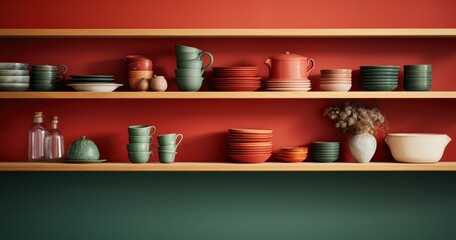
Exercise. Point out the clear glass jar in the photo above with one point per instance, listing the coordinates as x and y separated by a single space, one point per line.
37 133
54 146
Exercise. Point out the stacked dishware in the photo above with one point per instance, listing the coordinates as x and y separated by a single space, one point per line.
236 78
338 80
379 78
249 145
44 77
139 69
325 151
291 154
139 146
190 69
168 144
93 83
418 77
14 76
289 72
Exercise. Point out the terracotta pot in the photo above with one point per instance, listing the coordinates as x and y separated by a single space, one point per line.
289 66
138 63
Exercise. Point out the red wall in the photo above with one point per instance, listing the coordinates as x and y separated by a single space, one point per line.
204 122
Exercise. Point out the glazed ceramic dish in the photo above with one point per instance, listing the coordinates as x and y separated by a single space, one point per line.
13 66
249 145
336 87
417 147
95 87
14 86
85 161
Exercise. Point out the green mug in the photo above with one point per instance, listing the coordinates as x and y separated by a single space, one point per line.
139 139
194 63
166 156
140 147
192 56
170 147
191 84
141 130
139 157
193 72
186 49
170 139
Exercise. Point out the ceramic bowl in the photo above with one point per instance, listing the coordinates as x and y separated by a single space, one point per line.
191 84
417 147
336 87
95 87
336 75
335 71
139 139
382 87
250 158
14 86
14 72
13 66
418 67
43 87
165 156
14 79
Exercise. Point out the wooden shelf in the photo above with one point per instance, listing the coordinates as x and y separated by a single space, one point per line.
236 33
230 95
196 167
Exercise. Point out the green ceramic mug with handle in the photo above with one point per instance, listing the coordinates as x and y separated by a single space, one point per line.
141 130
166 156
140 147
170 139
139 157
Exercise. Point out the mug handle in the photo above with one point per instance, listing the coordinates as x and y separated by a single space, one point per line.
153 130
65 69
180 140
310 60
153 147
211 60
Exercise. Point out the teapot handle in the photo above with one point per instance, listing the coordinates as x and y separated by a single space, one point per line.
310 60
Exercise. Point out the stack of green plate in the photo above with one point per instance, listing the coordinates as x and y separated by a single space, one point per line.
379 78
418 77
325 151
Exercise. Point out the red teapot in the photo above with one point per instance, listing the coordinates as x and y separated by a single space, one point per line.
289 66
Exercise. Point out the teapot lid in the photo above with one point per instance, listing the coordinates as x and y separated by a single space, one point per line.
287 56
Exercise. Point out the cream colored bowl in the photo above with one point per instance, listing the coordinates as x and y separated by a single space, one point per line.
417 147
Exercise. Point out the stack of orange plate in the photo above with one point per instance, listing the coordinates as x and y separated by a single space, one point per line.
291 154
249 145
235 78
289 85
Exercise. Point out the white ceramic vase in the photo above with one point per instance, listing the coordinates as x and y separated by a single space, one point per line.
362 147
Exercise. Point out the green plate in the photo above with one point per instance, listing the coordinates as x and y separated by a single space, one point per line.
325 159
379 83
380 67
85 161
376 74
380 71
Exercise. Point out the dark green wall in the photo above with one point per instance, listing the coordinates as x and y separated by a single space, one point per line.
298 205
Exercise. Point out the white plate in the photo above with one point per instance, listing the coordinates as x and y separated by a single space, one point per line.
95 87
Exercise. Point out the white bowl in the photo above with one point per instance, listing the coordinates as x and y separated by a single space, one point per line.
417 147
340 87
95 87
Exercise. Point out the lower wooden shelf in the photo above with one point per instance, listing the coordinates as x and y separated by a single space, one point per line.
221 167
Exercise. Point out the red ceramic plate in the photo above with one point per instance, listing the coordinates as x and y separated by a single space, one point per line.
234 89
287 81
249 140
289 89
249 131
254 158
236 78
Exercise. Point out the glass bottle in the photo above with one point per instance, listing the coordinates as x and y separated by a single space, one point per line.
54 143
37 134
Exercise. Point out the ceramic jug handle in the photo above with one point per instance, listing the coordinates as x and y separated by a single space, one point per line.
211 59
153 130
65 69
180 140
310 60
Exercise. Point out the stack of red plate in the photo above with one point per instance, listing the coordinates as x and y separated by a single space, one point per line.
297 85
249 145
236 79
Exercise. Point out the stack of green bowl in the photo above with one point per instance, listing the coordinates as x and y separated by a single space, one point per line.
379 78
418 77
44 77
325 151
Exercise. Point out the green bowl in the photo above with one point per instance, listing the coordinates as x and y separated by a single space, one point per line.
43 87
378 74
190 84
379 70
14 72
44 81
139 157
321 159
381 82
380 67
416 88
383 87
420 67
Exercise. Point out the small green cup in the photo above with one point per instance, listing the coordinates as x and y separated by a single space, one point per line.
139 139
170 139
139 157
170 147
186 49
189 84
141 130
166 156
140 147
190 64
193 72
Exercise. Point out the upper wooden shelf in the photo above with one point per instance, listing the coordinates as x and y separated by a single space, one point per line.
213 167
230 95
228 33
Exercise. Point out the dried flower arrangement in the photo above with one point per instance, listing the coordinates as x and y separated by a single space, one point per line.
357 119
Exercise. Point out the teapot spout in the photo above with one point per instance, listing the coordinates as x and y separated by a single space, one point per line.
268 63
